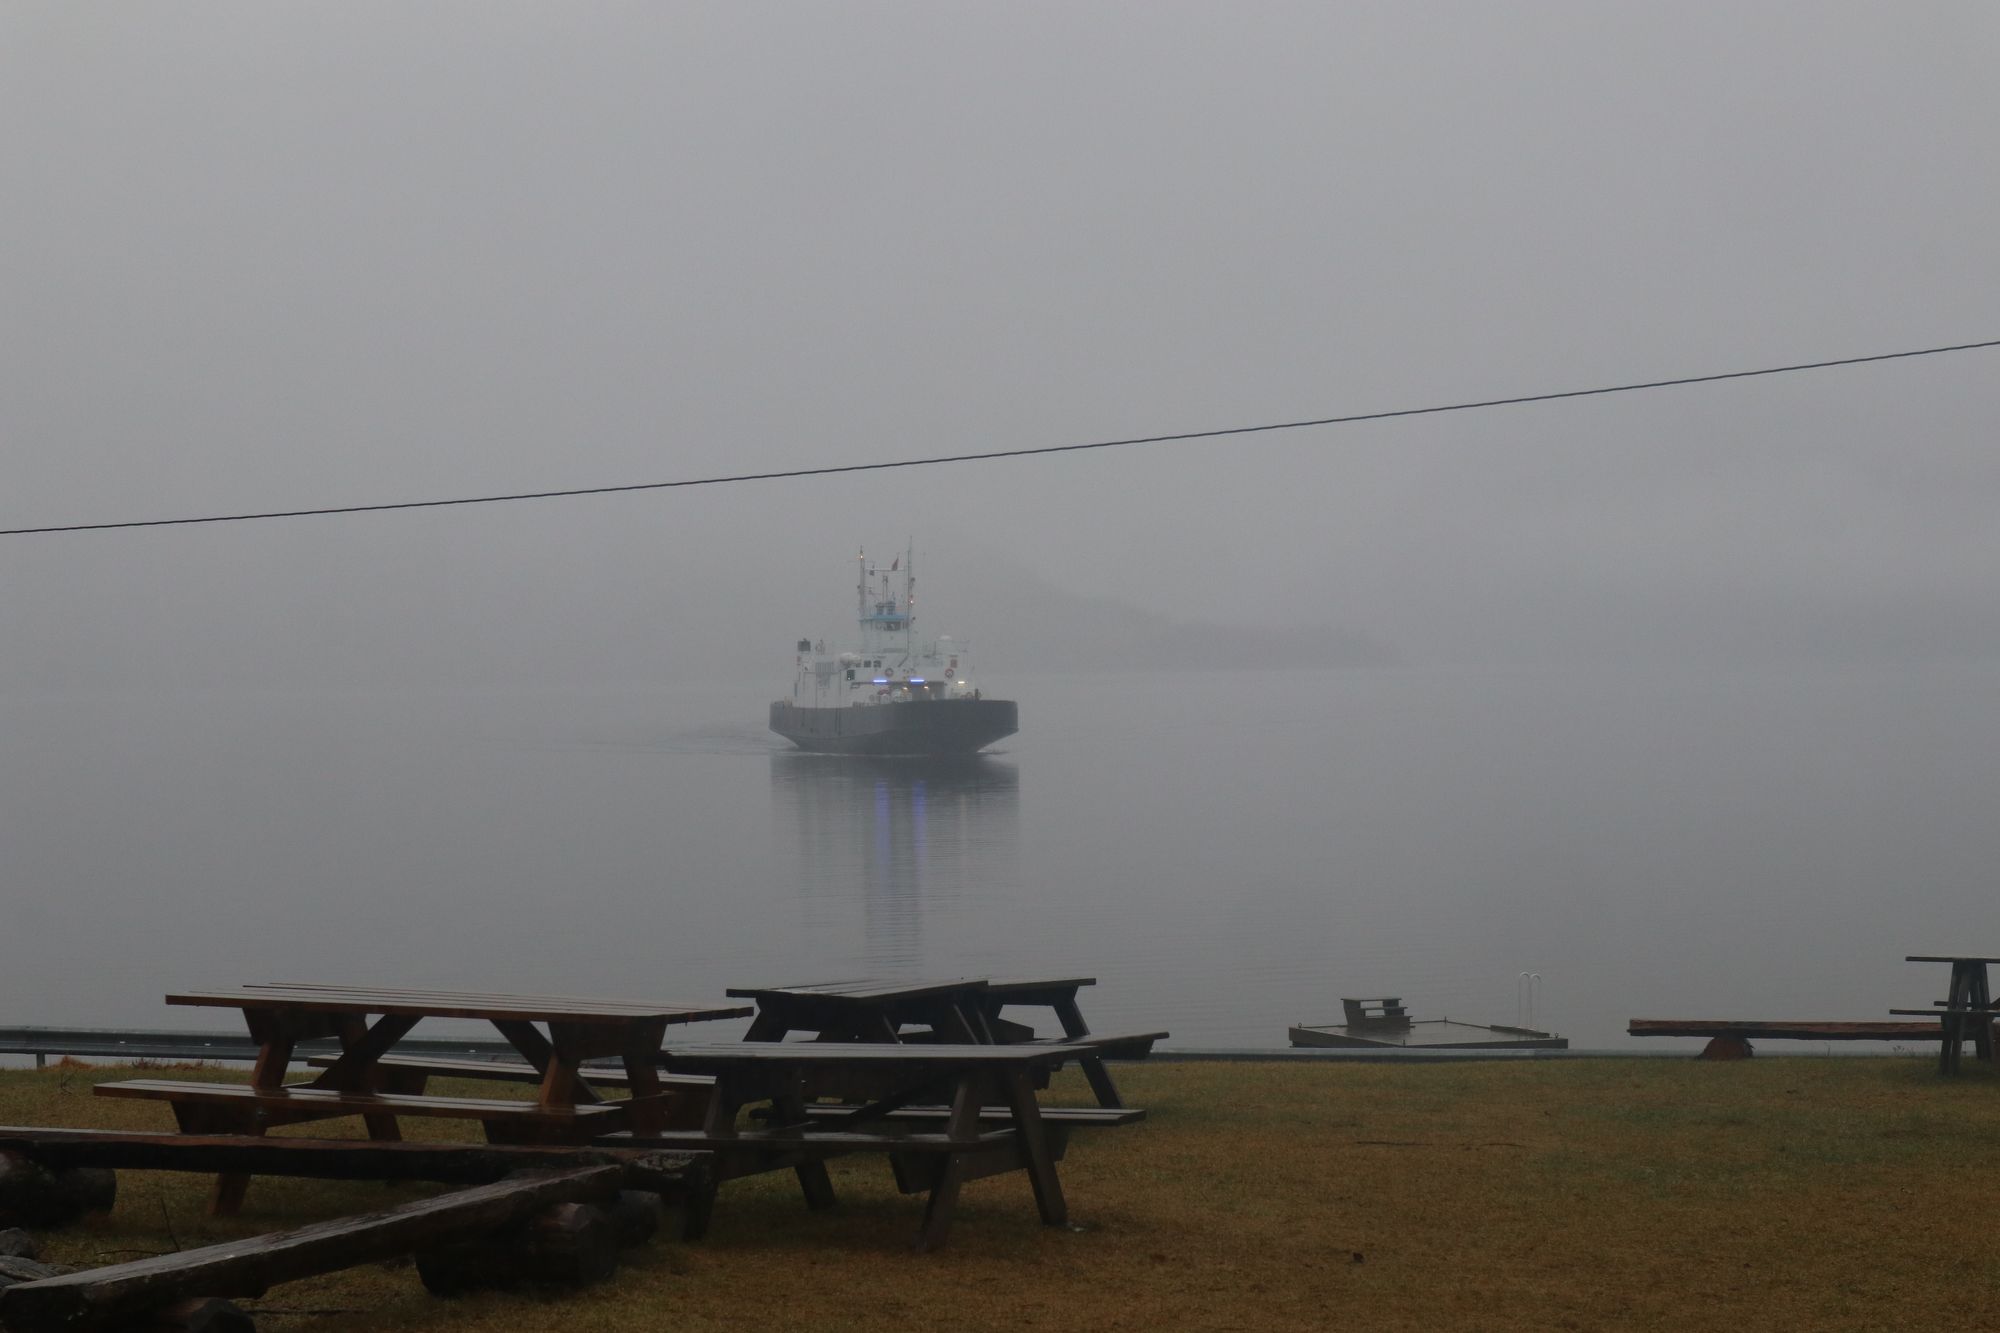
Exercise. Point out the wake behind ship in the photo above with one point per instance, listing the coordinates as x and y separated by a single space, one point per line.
897 695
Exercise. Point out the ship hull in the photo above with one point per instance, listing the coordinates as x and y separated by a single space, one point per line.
925 727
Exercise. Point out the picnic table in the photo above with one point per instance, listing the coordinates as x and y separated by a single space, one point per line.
566 1108
957 1009
1966 1010
868 1010
983 1095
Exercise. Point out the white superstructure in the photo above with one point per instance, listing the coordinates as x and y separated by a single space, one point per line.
893 665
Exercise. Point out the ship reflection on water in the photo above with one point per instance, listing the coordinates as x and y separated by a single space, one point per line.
900 837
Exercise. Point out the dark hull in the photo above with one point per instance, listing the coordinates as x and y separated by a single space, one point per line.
930 727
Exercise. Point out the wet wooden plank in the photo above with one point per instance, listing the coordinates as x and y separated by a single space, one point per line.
309 998
322 1102
868 991
1781 1029
706 1057
657 1171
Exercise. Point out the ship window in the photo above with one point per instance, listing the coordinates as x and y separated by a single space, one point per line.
850 673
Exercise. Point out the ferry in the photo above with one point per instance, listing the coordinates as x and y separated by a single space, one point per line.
898 695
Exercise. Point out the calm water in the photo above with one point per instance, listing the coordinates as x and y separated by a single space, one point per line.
1226 853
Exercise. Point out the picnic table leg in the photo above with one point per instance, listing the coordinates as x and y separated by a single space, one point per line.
963 1124
226 1197
950 1022
1035 1147
814 1182
1071 1018
361 1046
1978 997
1968 986
979 1021
641 1058
558 1067
1953 1037
274 1056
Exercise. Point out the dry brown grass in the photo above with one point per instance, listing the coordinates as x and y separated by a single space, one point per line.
1792 1194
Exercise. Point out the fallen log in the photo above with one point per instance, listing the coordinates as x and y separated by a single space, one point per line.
572 1244
635 1215
35 1194
100 1297
203 1315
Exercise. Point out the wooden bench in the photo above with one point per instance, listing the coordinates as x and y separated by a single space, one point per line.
654 1171
410 1073
917 1158
1071 1117
684 1178
226 1108
1729 1039
1126 1046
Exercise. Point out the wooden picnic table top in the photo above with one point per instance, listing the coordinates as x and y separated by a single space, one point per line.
864 991
715 1057
1013 985
880 991
314 998
1947 958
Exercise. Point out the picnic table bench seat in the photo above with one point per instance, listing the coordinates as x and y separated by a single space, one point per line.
1125 1046
409 1073
1073 1117
1938 1010
918 1159
225 1107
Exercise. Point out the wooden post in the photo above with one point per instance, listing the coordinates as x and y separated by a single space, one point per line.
204 1314
1727 1048
571 1243
635 1216
34 1196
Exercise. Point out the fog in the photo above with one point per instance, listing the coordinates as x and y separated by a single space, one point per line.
271 258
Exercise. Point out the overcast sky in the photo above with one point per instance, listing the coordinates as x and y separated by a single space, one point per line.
257 257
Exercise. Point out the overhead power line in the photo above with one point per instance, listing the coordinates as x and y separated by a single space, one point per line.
989 455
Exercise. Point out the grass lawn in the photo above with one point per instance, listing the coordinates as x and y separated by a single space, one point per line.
1626 1194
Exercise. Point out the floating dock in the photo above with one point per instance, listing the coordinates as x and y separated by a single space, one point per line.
1386 1023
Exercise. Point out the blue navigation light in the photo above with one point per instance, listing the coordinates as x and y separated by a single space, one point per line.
881 680
916 680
